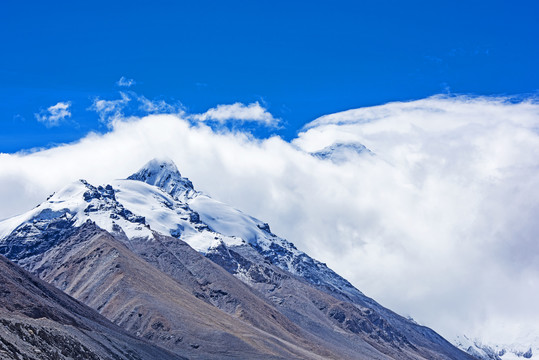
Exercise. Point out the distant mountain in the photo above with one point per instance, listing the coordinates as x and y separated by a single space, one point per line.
182 270
527 348
341 152
38 321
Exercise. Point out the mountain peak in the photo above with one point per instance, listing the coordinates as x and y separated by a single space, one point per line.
163 173
157 166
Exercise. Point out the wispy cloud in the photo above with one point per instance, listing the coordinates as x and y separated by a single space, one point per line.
125 82
54 114
156 106
131 104
253 112
109 110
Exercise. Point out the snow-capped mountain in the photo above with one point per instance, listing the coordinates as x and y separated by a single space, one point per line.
526 348
157 198
268 284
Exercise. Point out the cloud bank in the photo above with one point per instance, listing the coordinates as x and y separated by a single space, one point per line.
54 114
438 221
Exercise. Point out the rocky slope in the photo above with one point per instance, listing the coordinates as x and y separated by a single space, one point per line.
37 321
174 311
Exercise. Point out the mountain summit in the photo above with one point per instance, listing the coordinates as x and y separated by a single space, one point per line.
164 174
201 278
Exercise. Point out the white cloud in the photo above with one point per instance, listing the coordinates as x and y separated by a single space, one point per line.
245 113
131 104
125 82
110 110
54 114
440 223
156 106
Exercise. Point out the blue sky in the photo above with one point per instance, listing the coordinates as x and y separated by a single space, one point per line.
298 59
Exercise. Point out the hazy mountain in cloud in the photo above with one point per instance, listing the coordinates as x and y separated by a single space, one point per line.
341 152
127 249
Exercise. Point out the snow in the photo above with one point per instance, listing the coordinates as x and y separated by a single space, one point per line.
159 209
525 348
168 216
226 220
63 201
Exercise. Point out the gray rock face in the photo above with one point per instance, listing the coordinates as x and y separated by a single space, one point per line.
37 321
315 303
